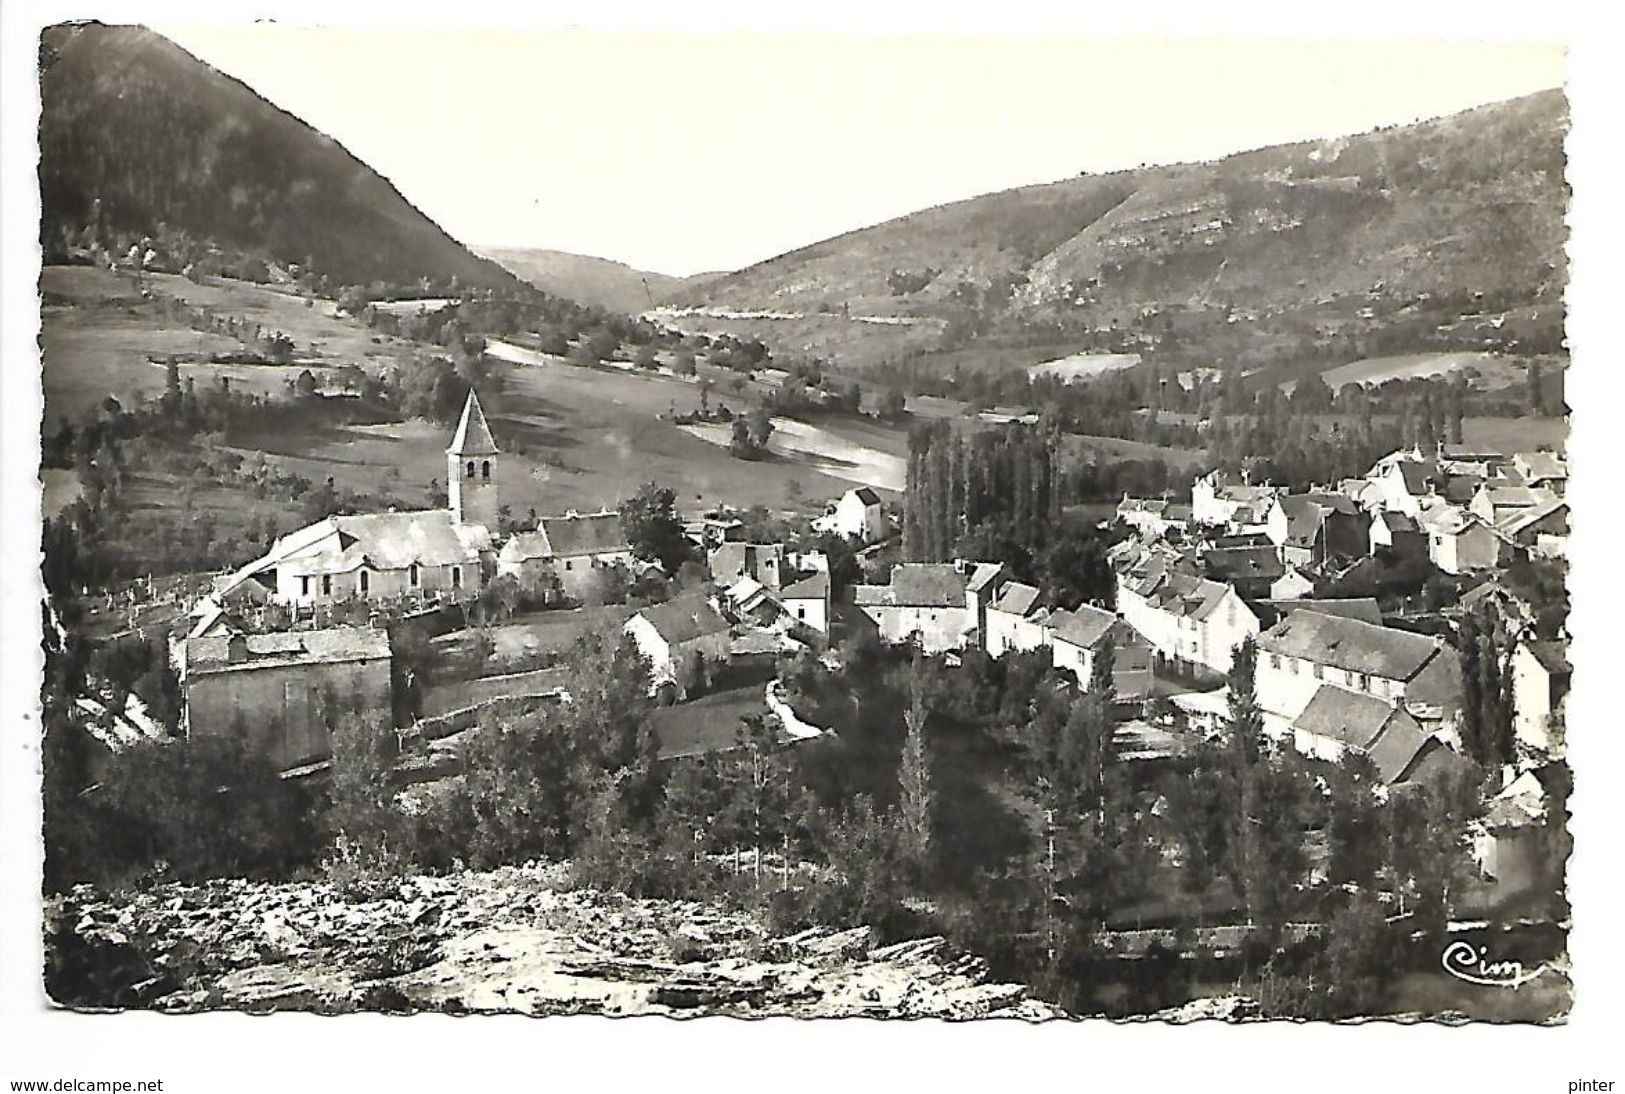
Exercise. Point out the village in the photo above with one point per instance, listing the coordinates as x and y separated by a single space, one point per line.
1355 602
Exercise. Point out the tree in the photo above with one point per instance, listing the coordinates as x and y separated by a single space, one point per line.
1537 396
649 518
892 404
915 797
365 826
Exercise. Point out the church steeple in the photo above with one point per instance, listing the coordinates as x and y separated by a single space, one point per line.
470 464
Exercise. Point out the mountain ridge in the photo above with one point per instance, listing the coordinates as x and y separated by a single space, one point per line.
140 137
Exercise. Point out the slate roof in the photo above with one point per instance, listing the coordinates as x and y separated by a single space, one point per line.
381 541
1239 563
866 495
1183 594
1538 467
1553 657
1016 598
473 436
1304 517
1364 608
1084 627
1350 644
333 645
983 574
815 587
916 585
1386 733
1398 522
731 559
1524 519
685 619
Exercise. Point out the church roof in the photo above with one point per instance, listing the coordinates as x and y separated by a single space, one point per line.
473 436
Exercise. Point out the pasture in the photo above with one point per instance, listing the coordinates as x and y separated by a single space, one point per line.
1485 370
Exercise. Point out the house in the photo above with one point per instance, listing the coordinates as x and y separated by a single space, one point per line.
1077 639
566 554
1493 503
930 604
1397 533
1251 570
763 562
1337 721
1538 532
1547 470
1540 687
1204 712
1403 481
1322 525
1188 620
1238 506
807 601
272 690
1477 461
1522 841
676 634
1015 620
1459 542
1153 516
1309 649
749 599
1292 585
857 514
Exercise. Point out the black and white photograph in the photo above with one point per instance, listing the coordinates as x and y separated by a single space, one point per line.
701 523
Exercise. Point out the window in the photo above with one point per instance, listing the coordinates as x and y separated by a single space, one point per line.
412 575
1294 665
456 577
485 469
801 611
1365 682
470 468
304 585
366 582
1275 660
1320 672
327 584
569 565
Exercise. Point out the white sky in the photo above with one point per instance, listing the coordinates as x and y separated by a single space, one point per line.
686 152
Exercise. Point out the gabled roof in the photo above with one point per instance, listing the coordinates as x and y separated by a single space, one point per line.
333 645
584 534
1084 627
984 574
1015 598
1509 497
1363 608
1524 519
1397 522
729 559
685 619
380 541
1538 467
1350 644
1244 563
815 587
473 436
916 585
1386 733
1553 656
866 495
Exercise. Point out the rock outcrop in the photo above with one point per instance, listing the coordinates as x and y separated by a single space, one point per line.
509 940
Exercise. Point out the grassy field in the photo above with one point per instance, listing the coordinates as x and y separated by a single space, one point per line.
1116 448
1492 370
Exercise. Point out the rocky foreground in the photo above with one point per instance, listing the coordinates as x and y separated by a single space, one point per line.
510 940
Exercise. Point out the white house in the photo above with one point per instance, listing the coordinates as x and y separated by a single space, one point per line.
566 553
1077 639
1403 480
1186 619
807 601
1308 649
763 562
1337 721
1238 507
669 635
1015 620
856 514
1540 687
1459 542
937 606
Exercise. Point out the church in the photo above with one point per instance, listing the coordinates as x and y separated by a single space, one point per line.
375 556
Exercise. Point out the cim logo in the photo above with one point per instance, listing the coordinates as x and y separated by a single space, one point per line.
1471 963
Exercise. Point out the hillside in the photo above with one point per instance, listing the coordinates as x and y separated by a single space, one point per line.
138 137
1382 237
613 286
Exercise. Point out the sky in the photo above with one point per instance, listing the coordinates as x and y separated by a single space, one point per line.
681 153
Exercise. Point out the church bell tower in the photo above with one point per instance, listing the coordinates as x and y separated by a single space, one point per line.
470 469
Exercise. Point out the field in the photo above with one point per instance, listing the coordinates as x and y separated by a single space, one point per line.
98 335
1083 366
1490 370
1117 448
